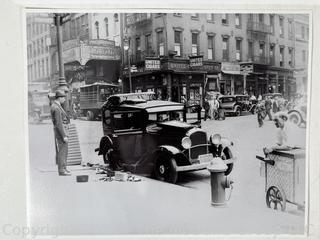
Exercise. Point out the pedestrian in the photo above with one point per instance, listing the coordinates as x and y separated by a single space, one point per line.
268 106
275 105
60 122
206 107
260 110
215 108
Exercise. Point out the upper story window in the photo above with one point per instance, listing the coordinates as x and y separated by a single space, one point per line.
302 32
160 43
194 44
225 48
194 15
210 47
281 56
210 17
261 18
272 23
261 49
177 43
224 18
177 14
290 62
304 56
97 29
148 44
281 28
138 48
116 17
106 23
238 49
238 20
290 29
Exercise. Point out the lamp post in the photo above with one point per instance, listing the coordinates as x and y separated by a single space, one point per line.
126 47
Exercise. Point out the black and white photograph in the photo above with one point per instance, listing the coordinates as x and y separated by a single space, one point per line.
167 122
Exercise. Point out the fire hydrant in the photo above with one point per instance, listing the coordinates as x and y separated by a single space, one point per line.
219 182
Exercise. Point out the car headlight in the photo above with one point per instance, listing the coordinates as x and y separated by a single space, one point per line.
215 139
186 142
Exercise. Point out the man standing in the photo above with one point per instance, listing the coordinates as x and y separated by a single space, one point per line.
268 106
260 110
60 121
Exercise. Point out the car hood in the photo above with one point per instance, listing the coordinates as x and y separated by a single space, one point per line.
176 124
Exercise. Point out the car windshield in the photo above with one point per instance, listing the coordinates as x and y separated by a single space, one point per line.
165 116
227 99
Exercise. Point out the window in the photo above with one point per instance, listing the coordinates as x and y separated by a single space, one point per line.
106 26
238 20
160 42
250 51
238 49
307 33
194 15
302 32
224 18
138 49
210 17
281 29
271 54
290 63
225 48
42 46
261 18
290 29
39 69
72 29
281 56
116 17
148 44
97 28
177 42
304 57
272 23
250 17
261 50
194 44
211 47
177 14
47 67
42 68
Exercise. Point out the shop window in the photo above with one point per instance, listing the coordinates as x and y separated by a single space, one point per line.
224 19
210 47
225 48
177 42
97 29
238 49
194 44
106 23
160 41
238 20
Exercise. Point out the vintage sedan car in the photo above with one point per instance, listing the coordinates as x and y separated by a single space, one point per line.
153 138
298 111
236 104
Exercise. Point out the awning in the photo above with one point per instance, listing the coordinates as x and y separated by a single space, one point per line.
231 72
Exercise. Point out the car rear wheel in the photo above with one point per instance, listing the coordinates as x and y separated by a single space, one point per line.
165 169
295 118
238 112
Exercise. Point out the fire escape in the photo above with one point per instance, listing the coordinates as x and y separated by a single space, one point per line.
260 32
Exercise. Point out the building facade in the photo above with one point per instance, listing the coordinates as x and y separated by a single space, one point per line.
301 54
189 54
90 50
38 57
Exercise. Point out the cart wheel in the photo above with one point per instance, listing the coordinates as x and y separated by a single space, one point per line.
275 197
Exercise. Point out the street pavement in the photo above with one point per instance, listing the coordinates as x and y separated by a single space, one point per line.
150 206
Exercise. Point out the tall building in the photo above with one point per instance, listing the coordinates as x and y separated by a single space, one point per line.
301 22
90 51
38 40
190 54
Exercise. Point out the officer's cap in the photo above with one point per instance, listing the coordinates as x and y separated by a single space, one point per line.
60 93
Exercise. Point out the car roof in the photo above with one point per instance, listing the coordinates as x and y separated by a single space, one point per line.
155 106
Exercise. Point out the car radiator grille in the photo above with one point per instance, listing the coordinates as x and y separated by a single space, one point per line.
199 144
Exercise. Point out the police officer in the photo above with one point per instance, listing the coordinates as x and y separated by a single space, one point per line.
60 121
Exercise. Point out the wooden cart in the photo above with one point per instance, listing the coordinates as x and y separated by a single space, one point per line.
284 173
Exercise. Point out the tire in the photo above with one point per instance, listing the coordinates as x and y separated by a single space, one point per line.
295 118
89 115
238 112
226 155
165 169
275 197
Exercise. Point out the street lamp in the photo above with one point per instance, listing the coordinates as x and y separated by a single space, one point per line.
126 47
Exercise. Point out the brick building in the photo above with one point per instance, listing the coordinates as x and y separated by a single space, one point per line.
189 54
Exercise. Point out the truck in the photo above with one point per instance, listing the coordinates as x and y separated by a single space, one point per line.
92 97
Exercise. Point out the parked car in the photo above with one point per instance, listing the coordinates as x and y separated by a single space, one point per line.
154 138
236 104
298 111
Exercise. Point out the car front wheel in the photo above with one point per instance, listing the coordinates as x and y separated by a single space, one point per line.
165 170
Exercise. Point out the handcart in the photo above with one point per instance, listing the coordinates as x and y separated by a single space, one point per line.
284 172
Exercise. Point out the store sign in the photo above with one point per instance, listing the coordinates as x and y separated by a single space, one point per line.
152 64
196 61
230 68
246 68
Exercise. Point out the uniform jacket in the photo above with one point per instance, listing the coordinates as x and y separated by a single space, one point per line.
60 120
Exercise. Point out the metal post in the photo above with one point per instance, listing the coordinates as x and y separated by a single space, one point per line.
62 81
130 83
245 83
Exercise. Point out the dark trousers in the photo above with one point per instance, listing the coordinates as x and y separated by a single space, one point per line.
269 114
260 119
61 153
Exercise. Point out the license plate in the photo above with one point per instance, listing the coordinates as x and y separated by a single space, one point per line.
205 158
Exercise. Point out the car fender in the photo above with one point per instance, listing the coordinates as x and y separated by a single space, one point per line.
174 152
106 144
